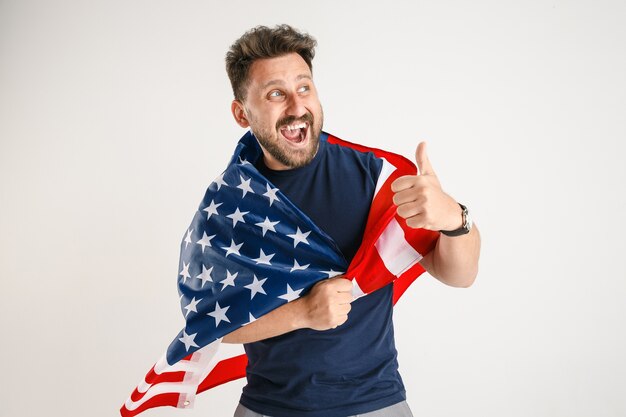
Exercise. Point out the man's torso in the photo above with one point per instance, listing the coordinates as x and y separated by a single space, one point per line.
351 369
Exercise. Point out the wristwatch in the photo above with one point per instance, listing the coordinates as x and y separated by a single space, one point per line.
465 228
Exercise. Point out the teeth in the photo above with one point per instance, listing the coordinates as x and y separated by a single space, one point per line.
300 126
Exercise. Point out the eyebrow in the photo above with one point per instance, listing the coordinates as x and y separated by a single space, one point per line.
281 82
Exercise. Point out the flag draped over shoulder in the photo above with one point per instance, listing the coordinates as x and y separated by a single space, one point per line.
250 250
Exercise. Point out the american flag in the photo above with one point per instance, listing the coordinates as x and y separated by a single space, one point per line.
250 250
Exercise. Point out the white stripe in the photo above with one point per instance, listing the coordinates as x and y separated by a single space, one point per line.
225 351
385 172
196 369
166 387
395 251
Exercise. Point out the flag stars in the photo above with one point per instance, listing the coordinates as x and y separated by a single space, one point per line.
263 258
290 295
256 287
219 181
267 225
192 306
230 280
185 272
188 340
298 267
205 276
212 209
187 239
245 186
205 241
233 248
237 216
332 273
271 194
299 237
219 314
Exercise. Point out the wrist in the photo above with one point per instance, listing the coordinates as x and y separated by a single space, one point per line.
466 224
298 314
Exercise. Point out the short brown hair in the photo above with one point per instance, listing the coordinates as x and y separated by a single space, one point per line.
262 42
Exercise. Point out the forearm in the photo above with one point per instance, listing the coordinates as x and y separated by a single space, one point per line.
284 319
325 307
454 260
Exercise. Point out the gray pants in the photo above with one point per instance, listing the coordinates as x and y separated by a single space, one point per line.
397 410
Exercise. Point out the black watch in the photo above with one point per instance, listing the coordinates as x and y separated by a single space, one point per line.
465 228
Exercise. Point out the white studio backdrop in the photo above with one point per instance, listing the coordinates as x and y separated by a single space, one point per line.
114 118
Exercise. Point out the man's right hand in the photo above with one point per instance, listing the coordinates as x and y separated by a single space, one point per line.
327 305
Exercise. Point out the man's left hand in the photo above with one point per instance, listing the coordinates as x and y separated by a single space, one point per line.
422 202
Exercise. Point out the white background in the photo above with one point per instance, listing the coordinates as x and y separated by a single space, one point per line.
114 117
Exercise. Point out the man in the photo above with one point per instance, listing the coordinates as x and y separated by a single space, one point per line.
325 354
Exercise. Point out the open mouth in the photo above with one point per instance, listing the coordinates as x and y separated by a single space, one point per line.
295 133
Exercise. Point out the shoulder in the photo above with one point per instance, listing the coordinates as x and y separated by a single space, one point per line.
347 156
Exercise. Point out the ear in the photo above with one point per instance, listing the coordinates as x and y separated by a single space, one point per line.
239 113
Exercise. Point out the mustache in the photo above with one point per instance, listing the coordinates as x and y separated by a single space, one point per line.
307 117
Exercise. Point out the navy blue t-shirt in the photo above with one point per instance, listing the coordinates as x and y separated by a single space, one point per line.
349 370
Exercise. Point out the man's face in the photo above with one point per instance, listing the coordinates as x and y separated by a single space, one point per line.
283 111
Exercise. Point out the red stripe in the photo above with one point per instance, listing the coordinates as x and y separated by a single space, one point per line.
371 273
401 284
225 371
153 378
398 161
161 400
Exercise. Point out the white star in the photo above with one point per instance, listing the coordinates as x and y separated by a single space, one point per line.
256 287
219 181
212 209
298 267
205 241
332 273
185 272
192 306
290 295
299 237
188 238
267 225
263 258
245 186
230 279
219 314
187 339
244 161
234 248
205 276
271 194
237 216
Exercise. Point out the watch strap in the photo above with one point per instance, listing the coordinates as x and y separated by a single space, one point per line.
465 227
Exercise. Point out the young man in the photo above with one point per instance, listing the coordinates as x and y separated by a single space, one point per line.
325 354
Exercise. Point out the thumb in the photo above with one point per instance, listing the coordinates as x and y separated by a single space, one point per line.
423 163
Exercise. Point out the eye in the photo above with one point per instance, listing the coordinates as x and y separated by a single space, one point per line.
275 94
304 89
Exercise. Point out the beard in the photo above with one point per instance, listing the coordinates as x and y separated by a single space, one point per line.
271 142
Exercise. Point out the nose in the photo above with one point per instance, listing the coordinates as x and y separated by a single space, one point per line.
296 106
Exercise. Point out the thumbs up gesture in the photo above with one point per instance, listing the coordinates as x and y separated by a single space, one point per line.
422 202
